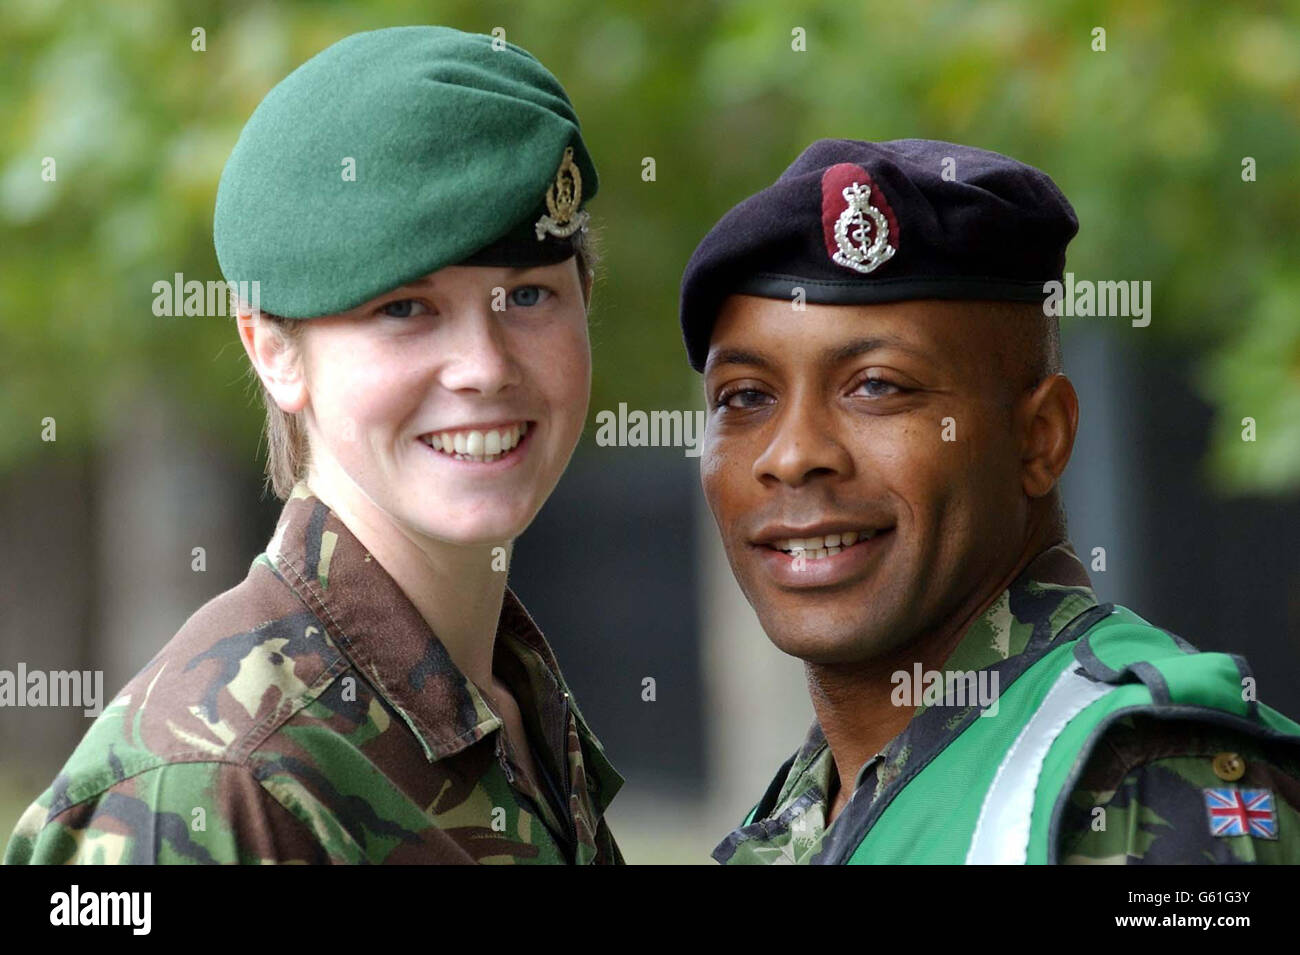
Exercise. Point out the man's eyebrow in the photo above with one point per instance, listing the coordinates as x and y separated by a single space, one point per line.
736 356
830 356
860 346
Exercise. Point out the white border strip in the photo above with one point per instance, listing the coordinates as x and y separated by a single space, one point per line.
1002 831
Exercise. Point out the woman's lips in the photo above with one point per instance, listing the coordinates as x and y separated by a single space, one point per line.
494 449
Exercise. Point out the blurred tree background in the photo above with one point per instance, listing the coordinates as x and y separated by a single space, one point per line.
1146 138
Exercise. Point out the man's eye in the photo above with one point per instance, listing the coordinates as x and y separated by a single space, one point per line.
878 388
741 398
403 308
527 296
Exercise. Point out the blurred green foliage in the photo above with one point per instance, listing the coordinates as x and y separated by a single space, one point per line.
1147 139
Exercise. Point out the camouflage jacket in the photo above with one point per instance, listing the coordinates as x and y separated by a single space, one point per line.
1147 774
310 715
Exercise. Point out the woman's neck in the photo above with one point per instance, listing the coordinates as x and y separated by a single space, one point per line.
457 589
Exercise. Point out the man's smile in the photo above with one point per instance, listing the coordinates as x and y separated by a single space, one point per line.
822 560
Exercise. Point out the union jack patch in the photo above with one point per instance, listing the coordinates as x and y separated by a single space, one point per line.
1241 812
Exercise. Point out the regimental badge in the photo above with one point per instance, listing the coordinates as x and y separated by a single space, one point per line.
562 200
1241 812
860 228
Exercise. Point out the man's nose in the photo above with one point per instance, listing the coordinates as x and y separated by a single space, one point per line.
804 444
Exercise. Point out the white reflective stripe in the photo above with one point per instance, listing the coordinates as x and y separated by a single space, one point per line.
1002 832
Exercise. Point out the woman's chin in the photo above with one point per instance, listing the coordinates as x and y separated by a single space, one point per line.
472 534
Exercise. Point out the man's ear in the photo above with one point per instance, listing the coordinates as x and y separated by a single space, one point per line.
1048 419
277 361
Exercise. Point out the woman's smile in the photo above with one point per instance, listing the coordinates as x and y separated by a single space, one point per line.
501 444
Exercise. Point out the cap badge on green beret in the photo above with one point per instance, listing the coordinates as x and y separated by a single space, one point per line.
563 197
864 235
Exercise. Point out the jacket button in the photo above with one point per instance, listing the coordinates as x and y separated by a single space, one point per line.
1229 767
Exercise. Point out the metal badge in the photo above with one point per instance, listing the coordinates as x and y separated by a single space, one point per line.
562 200
861 232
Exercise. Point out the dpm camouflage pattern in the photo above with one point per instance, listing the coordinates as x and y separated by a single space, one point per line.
310 715
1146 775
1141 797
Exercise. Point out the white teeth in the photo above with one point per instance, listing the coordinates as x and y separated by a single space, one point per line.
483 446
815 548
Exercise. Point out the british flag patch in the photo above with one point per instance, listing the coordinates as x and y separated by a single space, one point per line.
1241 812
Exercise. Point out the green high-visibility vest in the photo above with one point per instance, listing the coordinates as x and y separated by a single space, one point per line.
995 794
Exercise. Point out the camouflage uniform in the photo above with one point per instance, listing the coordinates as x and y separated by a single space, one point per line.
1146 774
309 715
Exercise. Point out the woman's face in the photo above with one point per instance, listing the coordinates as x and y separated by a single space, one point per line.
454 403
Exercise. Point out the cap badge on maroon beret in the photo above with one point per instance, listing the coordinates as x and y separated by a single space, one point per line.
563 197
860 228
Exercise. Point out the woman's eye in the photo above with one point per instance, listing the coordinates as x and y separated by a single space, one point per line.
403 308
878 388
527 296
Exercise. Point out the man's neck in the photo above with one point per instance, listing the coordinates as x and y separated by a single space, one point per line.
853 702
455 588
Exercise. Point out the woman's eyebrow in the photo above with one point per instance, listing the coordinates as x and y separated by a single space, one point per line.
418 284
429 281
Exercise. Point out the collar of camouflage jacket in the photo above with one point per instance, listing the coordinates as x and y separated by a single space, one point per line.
380 630
1007 638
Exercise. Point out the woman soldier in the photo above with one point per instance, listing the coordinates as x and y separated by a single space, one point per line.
372 691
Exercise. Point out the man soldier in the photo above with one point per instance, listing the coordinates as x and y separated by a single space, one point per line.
887 425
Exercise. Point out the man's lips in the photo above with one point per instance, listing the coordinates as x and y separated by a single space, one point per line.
809 558
813 537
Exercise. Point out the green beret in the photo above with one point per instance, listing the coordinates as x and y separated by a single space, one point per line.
395 153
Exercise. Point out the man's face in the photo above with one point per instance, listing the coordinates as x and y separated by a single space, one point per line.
889 423
435 362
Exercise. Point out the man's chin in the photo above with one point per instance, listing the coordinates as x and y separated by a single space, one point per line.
858 646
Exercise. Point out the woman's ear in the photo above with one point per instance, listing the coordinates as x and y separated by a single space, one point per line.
276 359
